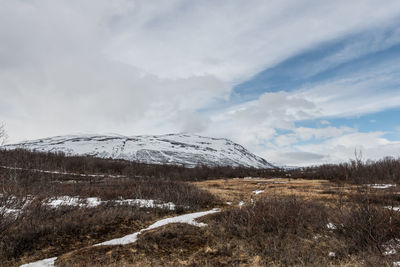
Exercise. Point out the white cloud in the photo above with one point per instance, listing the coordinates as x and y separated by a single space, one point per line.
255 125
285 140
334 150
56 79
137 67
304 133
372 90
233 40
373 146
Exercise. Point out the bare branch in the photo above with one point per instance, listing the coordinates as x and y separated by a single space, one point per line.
3 134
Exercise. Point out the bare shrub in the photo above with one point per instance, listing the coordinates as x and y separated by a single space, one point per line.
356 171
38 231
272 232
86 164
367 227
3 134
273 229
179 238
60 230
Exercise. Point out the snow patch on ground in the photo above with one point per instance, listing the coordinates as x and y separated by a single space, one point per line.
241 203
391 247
7 211
42 263
258 191
392 208
187 218
146 203
13 207
331 226
380 186
94 202
90 202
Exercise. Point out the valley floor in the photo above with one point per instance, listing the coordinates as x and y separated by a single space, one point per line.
265 222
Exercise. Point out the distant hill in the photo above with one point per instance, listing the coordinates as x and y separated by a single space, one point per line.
174 149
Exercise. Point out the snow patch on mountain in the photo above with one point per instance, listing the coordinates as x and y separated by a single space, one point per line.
187 150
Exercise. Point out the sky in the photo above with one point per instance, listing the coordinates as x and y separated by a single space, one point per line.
297 82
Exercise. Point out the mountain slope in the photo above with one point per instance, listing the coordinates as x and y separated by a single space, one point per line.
175 149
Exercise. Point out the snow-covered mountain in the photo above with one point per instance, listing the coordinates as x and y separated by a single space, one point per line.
175 149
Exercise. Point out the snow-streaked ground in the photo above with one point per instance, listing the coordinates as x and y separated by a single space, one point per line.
258 191
42 263
63 173
186 218
380 186
94 201
89 202
331 226
393 208
391 247
177 149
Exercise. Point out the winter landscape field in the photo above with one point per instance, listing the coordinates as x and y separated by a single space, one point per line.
199 133
86 211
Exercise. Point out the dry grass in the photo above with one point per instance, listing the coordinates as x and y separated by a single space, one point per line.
324 191
236 190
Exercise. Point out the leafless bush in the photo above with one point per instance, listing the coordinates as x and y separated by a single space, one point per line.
81 164
294 232
366 226
272 232
355 171
273 229
178 238
60 230
43 232
3 134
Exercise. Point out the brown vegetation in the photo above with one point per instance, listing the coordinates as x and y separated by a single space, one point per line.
272 232
90 165
284 224
35 230
386 170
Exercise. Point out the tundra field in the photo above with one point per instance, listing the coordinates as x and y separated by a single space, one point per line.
82 211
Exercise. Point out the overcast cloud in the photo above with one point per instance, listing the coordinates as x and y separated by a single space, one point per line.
153 67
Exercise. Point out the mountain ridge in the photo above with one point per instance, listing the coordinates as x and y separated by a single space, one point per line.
182 149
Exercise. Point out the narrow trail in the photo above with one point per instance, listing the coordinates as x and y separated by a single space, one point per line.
132 238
